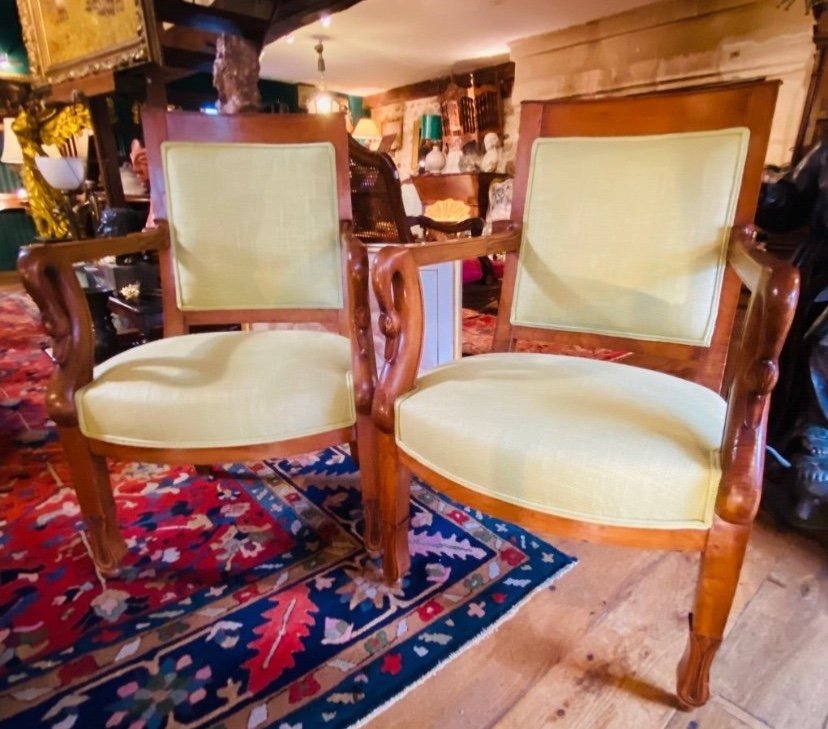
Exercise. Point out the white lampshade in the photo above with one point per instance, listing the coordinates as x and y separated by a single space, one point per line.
12 153
62 173
367 133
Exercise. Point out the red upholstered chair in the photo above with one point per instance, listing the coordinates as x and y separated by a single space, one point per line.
254 214
630 233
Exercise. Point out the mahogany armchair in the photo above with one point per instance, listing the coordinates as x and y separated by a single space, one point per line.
254 227
636 235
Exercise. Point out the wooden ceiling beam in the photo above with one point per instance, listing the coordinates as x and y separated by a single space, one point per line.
188 39
193 60
502 73
214 20
290 15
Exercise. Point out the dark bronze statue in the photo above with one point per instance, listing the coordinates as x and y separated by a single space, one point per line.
797 488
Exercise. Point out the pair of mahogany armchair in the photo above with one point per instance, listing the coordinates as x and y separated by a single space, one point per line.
633 234
631 229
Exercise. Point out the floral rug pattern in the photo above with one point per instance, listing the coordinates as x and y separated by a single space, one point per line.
246 599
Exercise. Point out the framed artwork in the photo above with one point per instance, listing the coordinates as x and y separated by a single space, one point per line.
72 39
393 127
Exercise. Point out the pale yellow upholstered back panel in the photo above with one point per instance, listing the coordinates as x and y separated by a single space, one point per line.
254 226
627 236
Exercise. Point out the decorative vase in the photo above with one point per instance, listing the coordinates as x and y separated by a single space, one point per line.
435 160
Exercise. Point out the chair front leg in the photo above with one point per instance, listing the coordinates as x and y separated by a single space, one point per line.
395 496
721 564
90 477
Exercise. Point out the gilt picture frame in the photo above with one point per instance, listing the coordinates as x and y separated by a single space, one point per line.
73 39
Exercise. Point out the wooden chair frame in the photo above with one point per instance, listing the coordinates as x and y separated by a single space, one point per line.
49 277
746 379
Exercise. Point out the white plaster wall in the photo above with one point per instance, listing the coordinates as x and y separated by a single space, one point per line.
677 43
664 45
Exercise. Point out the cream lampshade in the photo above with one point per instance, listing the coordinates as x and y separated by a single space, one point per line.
367 133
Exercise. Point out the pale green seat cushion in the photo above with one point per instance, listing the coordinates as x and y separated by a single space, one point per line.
220 389
627 236
254 226
596 441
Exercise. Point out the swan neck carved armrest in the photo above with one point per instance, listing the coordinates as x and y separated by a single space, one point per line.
774 287
399 295
48 274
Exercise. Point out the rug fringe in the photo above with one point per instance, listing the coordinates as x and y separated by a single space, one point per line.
485 633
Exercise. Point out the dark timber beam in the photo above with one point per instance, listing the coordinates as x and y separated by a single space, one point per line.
503 74
290 15
213 20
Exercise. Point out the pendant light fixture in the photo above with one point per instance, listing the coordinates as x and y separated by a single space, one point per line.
322 102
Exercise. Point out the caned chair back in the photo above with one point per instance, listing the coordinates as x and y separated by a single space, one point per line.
376 197
627 205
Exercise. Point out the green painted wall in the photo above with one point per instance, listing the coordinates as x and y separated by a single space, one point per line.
13 58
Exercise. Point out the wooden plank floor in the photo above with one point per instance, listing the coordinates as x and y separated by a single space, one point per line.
599 649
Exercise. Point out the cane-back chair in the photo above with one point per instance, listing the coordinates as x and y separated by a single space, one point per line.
377 201
634 234
254 227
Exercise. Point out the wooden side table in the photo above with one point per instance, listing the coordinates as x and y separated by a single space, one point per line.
470 187
143 315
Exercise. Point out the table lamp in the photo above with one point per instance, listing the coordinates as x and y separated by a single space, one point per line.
367 133
67 175
431 131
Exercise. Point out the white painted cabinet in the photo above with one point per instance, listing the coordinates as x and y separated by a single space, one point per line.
441 301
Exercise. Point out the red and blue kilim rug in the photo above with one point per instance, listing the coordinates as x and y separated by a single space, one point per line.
246 601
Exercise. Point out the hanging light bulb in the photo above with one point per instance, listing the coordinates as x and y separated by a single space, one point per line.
322 102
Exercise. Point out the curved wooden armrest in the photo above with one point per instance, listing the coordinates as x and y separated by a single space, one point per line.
49 277
397 287
473 225
774 284
440 251
753 263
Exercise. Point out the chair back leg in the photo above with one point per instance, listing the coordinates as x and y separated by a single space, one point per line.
395 499
721 563
366 445
90 477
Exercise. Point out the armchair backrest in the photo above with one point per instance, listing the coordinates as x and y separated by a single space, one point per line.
376 197
253 204
627 205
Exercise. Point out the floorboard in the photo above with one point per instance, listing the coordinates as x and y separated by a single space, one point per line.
599 651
